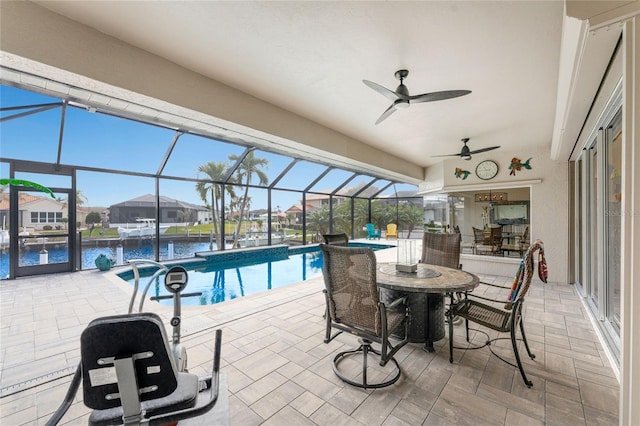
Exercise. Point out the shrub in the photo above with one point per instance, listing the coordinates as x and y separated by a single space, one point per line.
47 227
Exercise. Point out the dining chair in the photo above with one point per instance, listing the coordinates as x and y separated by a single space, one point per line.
520 244
492 241
353 305
441 249
503 315
336 239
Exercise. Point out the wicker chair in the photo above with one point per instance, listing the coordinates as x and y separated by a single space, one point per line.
336 239
506 318
353 305
441 249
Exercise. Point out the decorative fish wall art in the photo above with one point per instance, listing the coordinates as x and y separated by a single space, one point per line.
462 174
517 165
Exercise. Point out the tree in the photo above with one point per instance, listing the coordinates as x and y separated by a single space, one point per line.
215 172
411 216
81 199
318 221
250 167
91 219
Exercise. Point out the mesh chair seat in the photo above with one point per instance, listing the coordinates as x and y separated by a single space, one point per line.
489 316
508 319
354 306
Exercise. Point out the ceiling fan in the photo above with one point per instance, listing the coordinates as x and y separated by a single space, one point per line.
465 153
401 98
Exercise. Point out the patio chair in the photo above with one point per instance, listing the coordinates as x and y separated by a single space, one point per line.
492 241
392 231
520 244
372 232
441 249
505 315
354 306
126 378
336 239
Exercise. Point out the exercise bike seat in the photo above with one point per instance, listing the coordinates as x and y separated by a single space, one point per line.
128 370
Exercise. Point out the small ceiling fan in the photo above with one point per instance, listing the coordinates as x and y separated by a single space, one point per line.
465 153
401 98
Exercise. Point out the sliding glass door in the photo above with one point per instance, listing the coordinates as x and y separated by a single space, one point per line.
598 222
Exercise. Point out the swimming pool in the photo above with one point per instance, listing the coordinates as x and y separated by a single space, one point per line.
229 275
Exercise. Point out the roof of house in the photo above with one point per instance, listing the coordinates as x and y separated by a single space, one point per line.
149 200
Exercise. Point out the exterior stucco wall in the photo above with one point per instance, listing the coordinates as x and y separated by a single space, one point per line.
548 205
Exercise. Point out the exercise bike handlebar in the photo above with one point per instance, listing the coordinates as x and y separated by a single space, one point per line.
170 296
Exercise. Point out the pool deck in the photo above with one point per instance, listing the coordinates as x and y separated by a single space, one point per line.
279 371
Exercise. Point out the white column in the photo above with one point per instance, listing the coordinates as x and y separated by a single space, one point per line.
630 268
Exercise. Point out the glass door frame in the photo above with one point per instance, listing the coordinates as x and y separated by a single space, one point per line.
15 270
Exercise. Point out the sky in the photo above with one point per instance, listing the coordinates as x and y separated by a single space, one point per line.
101 141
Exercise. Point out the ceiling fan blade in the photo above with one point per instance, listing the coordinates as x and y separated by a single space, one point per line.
438 96
478 151
389 94
386 114
447 155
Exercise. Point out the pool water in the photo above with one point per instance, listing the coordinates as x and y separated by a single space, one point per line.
228 280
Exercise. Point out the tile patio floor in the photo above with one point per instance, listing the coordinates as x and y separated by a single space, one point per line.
279 370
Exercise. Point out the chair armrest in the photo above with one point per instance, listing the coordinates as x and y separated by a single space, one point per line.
496 285
396 302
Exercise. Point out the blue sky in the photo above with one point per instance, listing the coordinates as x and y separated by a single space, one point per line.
102 141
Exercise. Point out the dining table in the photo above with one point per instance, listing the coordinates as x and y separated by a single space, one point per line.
425 289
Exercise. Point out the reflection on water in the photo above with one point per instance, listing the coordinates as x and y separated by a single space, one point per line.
226 282
215 283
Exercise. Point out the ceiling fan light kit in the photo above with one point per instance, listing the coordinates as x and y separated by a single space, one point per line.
401 98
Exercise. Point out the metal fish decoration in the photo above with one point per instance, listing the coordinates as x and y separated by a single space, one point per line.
462 174
517 165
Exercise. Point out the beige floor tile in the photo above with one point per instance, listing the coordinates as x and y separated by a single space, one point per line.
279 370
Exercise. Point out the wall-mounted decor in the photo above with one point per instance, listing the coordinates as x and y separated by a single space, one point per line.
517 165
487 169
490 196
462 174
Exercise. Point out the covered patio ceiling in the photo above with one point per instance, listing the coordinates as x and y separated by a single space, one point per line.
309 60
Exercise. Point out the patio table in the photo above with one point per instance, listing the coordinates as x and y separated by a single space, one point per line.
425 289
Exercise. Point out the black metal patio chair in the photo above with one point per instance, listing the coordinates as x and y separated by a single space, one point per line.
354 306
504 315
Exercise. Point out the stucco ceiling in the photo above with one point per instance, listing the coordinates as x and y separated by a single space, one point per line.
311 57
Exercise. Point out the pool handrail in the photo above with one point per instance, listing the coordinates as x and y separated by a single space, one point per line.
134 266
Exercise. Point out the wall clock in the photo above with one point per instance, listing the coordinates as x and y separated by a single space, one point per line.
487 169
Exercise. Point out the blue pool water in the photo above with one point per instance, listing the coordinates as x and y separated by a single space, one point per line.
222 280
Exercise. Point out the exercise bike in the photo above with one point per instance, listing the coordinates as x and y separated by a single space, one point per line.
132 374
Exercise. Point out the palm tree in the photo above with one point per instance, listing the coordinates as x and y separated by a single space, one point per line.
81 199
411 216
250 167
318 221
215 172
